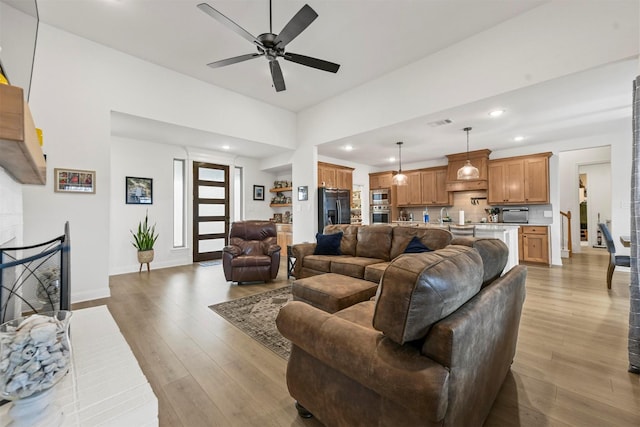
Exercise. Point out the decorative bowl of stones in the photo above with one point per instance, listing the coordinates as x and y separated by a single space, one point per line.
35 354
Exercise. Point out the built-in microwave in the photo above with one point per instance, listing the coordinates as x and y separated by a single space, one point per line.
516 215
379 196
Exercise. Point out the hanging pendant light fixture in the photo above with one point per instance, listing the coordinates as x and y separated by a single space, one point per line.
399 178
468 171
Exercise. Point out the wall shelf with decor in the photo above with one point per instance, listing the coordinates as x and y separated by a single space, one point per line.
22 155
281 200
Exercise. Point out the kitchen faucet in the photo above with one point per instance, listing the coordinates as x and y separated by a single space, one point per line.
443 210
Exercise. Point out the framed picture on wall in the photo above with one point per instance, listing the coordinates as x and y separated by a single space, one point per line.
258 192
74 181
138 191
303 193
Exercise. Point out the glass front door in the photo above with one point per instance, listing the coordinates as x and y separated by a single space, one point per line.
210 210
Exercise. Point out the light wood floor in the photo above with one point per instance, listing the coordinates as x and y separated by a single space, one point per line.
570 368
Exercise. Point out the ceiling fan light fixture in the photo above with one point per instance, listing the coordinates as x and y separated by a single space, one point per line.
468 171
399 178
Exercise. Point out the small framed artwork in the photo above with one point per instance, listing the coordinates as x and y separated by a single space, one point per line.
303 193
138 191
74 181
258 192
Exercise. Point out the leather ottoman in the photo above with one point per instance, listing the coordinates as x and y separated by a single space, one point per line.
332 292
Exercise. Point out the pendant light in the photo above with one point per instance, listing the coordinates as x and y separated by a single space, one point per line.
399 178
468 171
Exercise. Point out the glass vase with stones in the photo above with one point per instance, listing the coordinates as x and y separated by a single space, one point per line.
48 287
35 354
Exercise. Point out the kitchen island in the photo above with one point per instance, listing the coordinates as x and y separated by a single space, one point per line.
508 233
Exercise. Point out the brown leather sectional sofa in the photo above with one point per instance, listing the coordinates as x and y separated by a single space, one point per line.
433 349
366 250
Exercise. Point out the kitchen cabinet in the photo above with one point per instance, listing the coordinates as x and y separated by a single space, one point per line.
335 176
379 180
519 180
434 188
536 179
479 159
284 235
534 241
410 194
425 187
22 155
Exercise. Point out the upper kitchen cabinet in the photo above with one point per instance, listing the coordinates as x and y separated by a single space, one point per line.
434 187
410 194
379 180
519 180
335 176
425 187
22 156
479 159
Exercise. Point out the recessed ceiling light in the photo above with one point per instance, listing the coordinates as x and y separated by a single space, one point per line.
348 147
392 159
518 138
225 147
496 113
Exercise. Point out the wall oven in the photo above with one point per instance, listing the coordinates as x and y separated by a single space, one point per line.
379 196
380 214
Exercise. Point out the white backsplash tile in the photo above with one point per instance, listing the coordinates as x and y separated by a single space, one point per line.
475 213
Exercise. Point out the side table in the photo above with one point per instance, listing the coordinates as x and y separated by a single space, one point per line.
291 262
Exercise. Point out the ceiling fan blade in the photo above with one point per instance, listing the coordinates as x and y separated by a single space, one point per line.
312 62
228 23
296 25
235 59
276 75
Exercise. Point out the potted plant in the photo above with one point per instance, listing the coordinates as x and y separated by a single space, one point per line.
143 241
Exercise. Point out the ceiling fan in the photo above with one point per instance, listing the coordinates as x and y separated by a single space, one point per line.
271 45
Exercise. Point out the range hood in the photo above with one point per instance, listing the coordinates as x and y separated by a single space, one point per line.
479 159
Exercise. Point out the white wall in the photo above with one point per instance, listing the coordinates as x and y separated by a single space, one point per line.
11 212
146 160
76 85
253 175
550 41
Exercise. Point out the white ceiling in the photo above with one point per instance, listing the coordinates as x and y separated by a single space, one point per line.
369 39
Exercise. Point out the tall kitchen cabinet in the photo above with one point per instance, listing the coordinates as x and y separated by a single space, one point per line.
519 180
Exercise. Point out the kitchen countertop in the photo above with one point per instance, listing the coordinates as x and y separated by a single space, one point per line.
484 225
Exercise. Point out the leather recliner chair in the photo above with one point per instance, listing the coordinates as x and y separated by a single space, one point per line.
253 253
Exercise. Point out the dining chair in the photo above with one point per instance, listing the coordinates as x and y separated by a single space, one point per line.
619 260
462 230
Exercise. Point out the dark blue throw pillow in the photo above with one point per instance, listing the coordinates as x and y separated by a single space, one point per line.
328 244
415 246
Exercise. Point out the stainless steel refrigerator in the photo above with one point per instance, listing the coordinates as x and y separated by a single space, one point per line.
334 207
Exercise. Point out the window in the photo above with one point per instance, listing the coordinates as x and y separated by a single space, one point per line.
179 183
237 194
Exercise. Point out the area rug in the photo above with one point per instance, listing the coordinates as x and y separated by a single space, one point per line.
211 263
255 315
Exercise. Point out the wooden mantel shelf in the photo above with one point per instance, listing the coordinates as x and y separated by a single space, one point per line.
22 156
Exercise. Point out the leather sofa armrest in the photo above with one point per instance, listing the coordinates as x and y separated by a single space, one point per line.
273 249
299 251
399 373
233 250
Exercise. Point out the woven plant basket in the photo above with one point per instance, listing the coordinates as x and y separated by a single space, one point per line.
145 256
